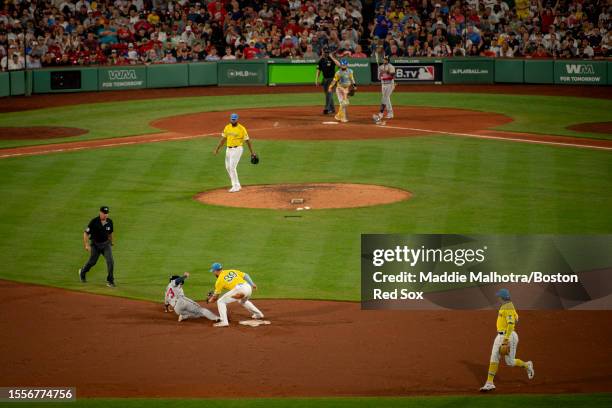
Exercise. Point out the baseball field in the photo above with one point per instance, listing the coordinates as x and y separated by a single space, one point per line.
489 160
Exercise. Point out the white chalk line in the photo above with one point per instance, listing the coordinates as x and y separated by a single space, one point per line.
512 139
166 139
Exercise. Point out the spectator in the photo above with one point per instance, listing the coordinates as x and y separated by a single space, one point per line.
212 55
585 50
168 58
228 54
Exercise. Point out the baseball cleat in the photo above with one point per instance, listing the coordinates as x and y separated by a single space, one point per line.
81 277
489 386
344 120
257 316
221 324
530 371
337 117
389 116
181 318
110 284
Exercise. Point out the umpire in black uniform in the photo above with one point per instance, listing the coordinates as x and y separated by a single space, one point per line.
328 68
98 240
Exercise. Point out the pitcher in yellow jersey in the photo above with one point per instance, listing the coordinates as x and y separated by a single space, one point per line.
507 318
234 135
344 79
239 286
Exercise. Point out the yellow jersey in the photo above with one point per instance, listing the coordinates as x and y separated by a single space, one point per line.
235 135
344 77
507 318
228 279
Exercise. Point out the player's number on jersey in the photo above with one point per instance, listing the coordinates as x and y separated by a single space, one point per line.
230 276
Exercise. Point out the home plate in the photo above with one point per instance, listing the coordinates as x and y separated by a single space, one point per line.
330 123
255 323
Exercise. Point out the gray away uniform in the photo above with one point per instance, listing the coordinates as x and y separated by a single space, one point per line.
386 74
182 305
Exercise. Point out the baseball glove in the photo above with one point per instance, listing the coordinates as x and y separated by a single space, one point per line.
352 90
504 349
209 296
254 159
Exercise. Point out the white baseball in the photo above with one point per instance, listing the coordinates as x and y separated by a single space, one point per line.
299 209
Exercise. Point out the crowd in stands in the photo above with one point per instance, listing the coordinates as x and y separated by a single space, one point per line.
37 33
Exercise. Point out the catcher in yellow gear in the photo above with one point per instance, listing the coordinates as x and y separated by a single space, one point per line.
506 341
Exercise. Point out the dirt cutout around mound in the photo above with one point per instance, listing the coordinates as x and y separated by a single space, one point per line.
114 347
593 127
312 196
307 123
39 132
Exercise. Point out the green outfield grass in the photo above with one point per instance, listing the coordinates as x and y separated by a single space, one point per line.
534 114
459 185
485 401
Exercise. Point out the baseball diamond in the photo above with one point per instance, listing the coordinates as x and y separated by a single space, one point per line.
284 245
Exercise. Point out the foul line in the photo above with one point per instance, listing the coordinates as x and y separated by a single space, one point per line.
512 139
142 140
93 145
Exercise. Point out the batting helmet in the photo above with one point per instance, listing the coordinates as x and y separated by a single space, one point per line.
343 62
234 116
503 293
216 267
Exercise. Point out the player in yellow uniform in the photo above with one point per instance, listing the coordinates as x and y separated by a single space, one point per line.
234 135
507 318
239 286
344 79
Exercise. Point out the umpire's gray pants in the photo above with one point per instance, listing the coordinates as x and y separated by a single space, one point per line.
329 96
105 250
192 310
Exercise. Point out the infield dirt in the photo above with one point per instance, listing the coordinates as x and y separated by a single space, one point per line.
114 347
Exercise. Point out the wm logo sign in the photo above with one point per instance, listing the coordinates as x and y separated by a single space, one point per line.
122 74
580 69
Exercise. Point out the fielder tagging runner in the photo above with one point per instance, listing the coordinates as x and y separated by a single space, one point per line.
386 75
506 342
239 286
234 135
184 307
345 82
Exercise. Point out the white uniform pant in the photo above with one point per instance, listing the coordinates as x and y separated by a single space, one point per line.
192 310
513 344
343 101
232 158
387 90
242 288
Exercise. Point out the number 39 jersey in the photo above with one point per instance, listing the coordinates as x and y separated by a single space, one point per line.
173 292
228 279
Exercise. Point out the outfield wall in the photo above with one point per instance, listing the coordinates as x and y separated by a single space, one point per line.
298 72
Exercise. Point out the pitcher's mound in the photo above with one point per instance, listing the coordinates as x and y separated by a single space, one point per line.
311 196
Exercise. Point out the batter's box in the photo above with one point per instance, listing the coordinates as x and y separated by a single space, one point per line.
255 323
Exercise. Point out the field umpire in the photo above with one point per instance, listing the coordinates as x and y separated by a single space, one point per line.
327 67
98 240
